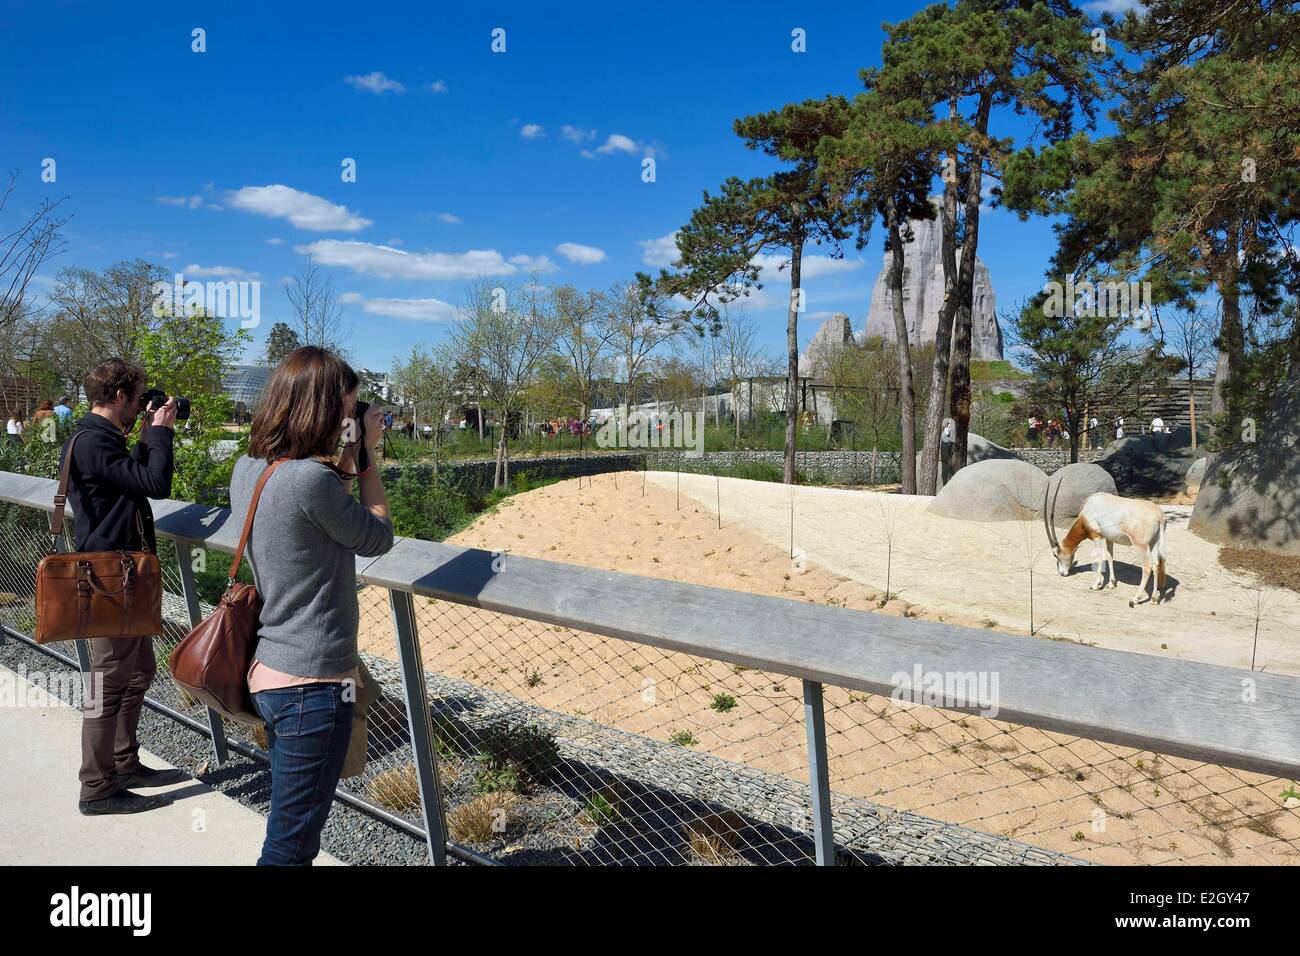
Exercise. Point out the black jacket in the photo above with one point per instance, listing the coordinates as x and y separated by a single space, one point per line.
108 486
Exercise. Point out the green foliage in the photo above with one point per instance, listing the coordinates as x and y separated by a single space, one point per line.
1197 186
603 808
722 703
186 355
424 509
513 757
280 341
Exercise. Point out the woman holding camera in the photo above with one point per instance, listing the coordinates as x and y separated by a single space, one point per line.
306 535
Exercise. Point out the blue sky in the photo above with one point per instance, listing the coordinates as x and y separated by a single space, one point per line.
467 161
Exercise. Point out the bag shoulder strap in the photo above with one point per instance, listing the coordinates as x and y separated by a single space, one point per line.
61 495
248 520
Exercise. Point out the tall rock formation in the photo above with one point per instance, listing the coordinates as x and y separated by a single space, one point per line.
923 295
835 333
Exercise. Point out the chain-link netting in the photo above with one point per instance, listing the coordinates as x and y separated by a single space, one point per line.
559 745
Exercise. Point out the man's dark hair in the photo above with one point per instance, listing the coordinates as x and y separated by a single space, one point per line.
104 380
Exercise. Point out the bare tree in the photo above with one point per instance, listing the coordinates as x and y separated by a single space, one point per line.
634 332
24 248
741 359
317 312
583 341
427 379
508 330
1191 341
107 312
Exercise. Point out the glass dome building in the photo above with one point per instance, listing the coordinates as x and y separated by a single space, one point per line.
245 383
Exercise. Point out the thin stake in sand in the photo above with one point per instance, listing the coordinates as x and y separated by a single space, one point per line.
888 521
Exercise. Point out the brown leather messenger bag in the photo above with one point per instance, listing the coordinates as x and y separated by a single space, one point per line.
96 594
211 662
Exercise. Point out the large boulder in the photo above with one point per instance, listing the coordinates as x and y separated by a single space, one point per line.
1250 496
1195 475
997 489
978 448
1150 465
1069 487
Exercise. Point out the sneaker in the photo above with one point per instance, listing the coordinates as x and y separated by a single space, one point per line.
149 777
124 801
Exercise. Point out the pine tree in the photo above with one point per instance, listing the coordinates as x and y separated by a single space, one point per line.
280 341
785 211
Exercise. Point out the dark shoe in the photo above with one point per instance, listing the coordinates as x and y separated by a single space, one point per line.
149 777
124 801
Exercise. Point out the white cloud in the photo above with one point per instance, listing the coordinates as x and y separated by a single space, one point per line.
532 131
577 134
195 271
615 143
190 202
659 252
411 310
775 265
376 83
533 263
302 209
274 242
348 298
389 263
437 86
448 217
583 255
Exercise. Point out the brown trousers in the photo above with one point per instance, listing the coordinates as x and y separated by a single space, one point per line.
122 669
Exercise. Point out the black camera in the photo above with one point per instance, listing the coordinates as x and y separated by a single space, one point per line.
359 416
156 398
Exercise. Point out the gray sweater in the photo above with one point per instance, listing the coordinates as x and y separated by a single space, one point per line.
302 552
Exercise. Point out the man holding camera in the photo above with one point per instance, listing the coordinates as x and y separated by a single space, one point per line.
109 489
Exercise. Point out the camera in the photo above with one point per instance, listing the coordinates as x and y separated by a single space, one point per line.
363 455
157 398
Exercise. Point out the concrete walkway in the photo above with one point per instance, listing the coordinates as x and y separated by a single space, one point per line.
40 748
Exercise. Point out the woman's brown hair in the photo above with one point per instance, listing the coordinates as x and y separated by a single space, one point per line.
301 412
46 406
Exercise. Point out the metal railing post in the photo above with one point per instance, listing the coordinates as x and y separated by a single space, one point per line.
190 588
818 777
420 722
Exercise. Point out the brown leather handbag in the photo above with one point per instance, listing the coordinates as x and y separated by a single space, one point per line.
211 662
96 594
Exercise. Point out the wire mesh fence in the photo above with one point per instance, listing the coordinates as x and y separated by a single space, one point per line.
555 745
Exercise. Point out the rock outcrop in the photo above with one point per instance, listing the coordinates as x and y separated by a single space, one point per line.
923 295
978 448
1250 495
1145 466
834 334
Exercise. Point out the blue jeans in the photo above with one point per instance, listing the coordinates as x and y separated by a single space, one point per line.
308 729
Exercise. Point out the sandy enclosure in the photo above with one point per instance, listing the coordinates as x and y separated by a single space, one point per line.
1100 802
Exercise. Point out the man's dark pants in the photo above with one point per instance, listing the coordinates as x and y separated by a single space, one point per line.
122 669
